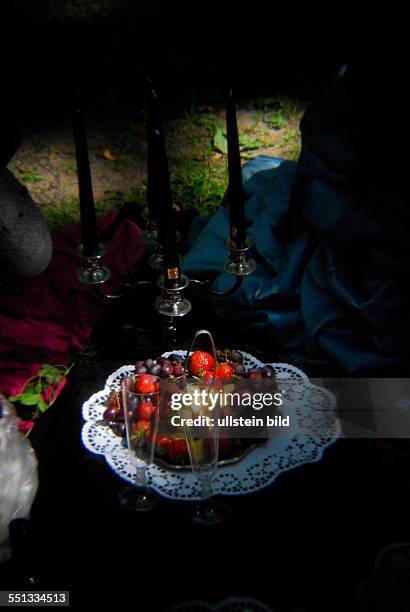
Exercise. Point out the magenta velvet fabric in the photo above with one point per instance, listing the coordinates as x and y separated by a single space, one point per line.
49 318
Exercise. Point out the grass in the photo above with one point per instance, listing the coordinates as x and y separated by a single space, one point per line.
30 177
67 214
197 151
200 186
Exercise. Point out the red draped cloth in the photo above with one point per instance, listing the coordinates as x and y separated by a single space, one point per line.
49 318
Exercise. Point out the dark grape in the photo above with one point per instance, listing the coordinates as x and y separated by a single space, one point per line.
236 357
148 363
239 369
163 361
118 429
141 370
155 369
139 364
120 415
110 413
268 372
178 370
175 359
254 374
166 370
132 411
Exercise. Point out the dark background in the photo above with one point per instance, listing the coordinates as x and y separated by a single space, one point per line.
54 50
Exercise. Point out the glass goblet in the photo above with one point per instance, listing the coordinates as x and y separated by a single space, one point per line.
141 421
203 449
202 441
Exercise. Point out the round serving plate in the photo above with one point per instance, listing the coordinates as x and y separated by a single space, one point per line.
316 428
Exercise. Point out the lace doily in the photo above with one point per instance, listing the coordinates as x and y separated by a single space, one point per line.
232 604
317 429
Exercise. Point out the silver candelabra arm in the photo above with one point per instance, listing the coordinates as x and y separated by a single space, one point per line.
208 287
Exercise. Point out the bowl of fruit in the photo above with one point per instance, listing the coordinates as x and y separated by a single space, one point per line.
170 449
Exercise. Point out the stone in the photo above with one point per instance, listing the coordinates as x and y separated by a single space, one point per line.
25 240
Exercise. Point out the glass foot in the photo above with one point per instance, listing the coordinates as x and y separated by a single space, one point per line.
208 512
137 500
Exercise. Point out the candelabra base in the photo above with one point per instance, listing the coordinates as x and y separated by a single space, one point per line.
93 272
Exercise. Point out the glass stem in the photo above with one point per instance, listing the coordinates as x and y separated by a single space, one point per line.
206 487
141 477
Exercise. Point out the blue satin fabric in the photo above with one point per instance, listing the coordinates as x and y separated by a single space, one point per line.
317 293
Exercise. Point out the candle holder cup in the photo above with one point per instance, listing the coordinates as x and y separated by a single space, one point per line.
172 303
93 271
239 264
150 238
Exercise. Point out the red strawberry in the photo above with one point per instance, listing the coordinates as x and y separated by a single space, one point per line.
142 426
141 432
162 444
163 441
224 371
145 384
178 451
208 380
145 410
201 362
208 375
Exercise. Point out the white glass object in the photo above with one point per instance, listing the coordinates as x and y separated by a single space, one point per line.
140 441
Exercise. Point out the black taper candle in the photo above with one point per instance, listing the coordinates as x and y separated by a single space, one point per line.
159 189
236 195
153 154
87 209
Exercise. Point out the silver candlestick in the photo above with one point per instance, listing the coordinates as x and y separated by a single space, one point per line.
150 238
239 264
93 271
172 305
171 302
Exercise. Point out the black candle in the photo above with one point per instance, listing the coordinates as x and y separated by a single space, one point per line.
236 194
87 210
154 122
159 189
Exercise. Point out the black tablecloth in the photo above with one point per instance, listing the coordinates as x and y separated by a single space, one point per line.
305 542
